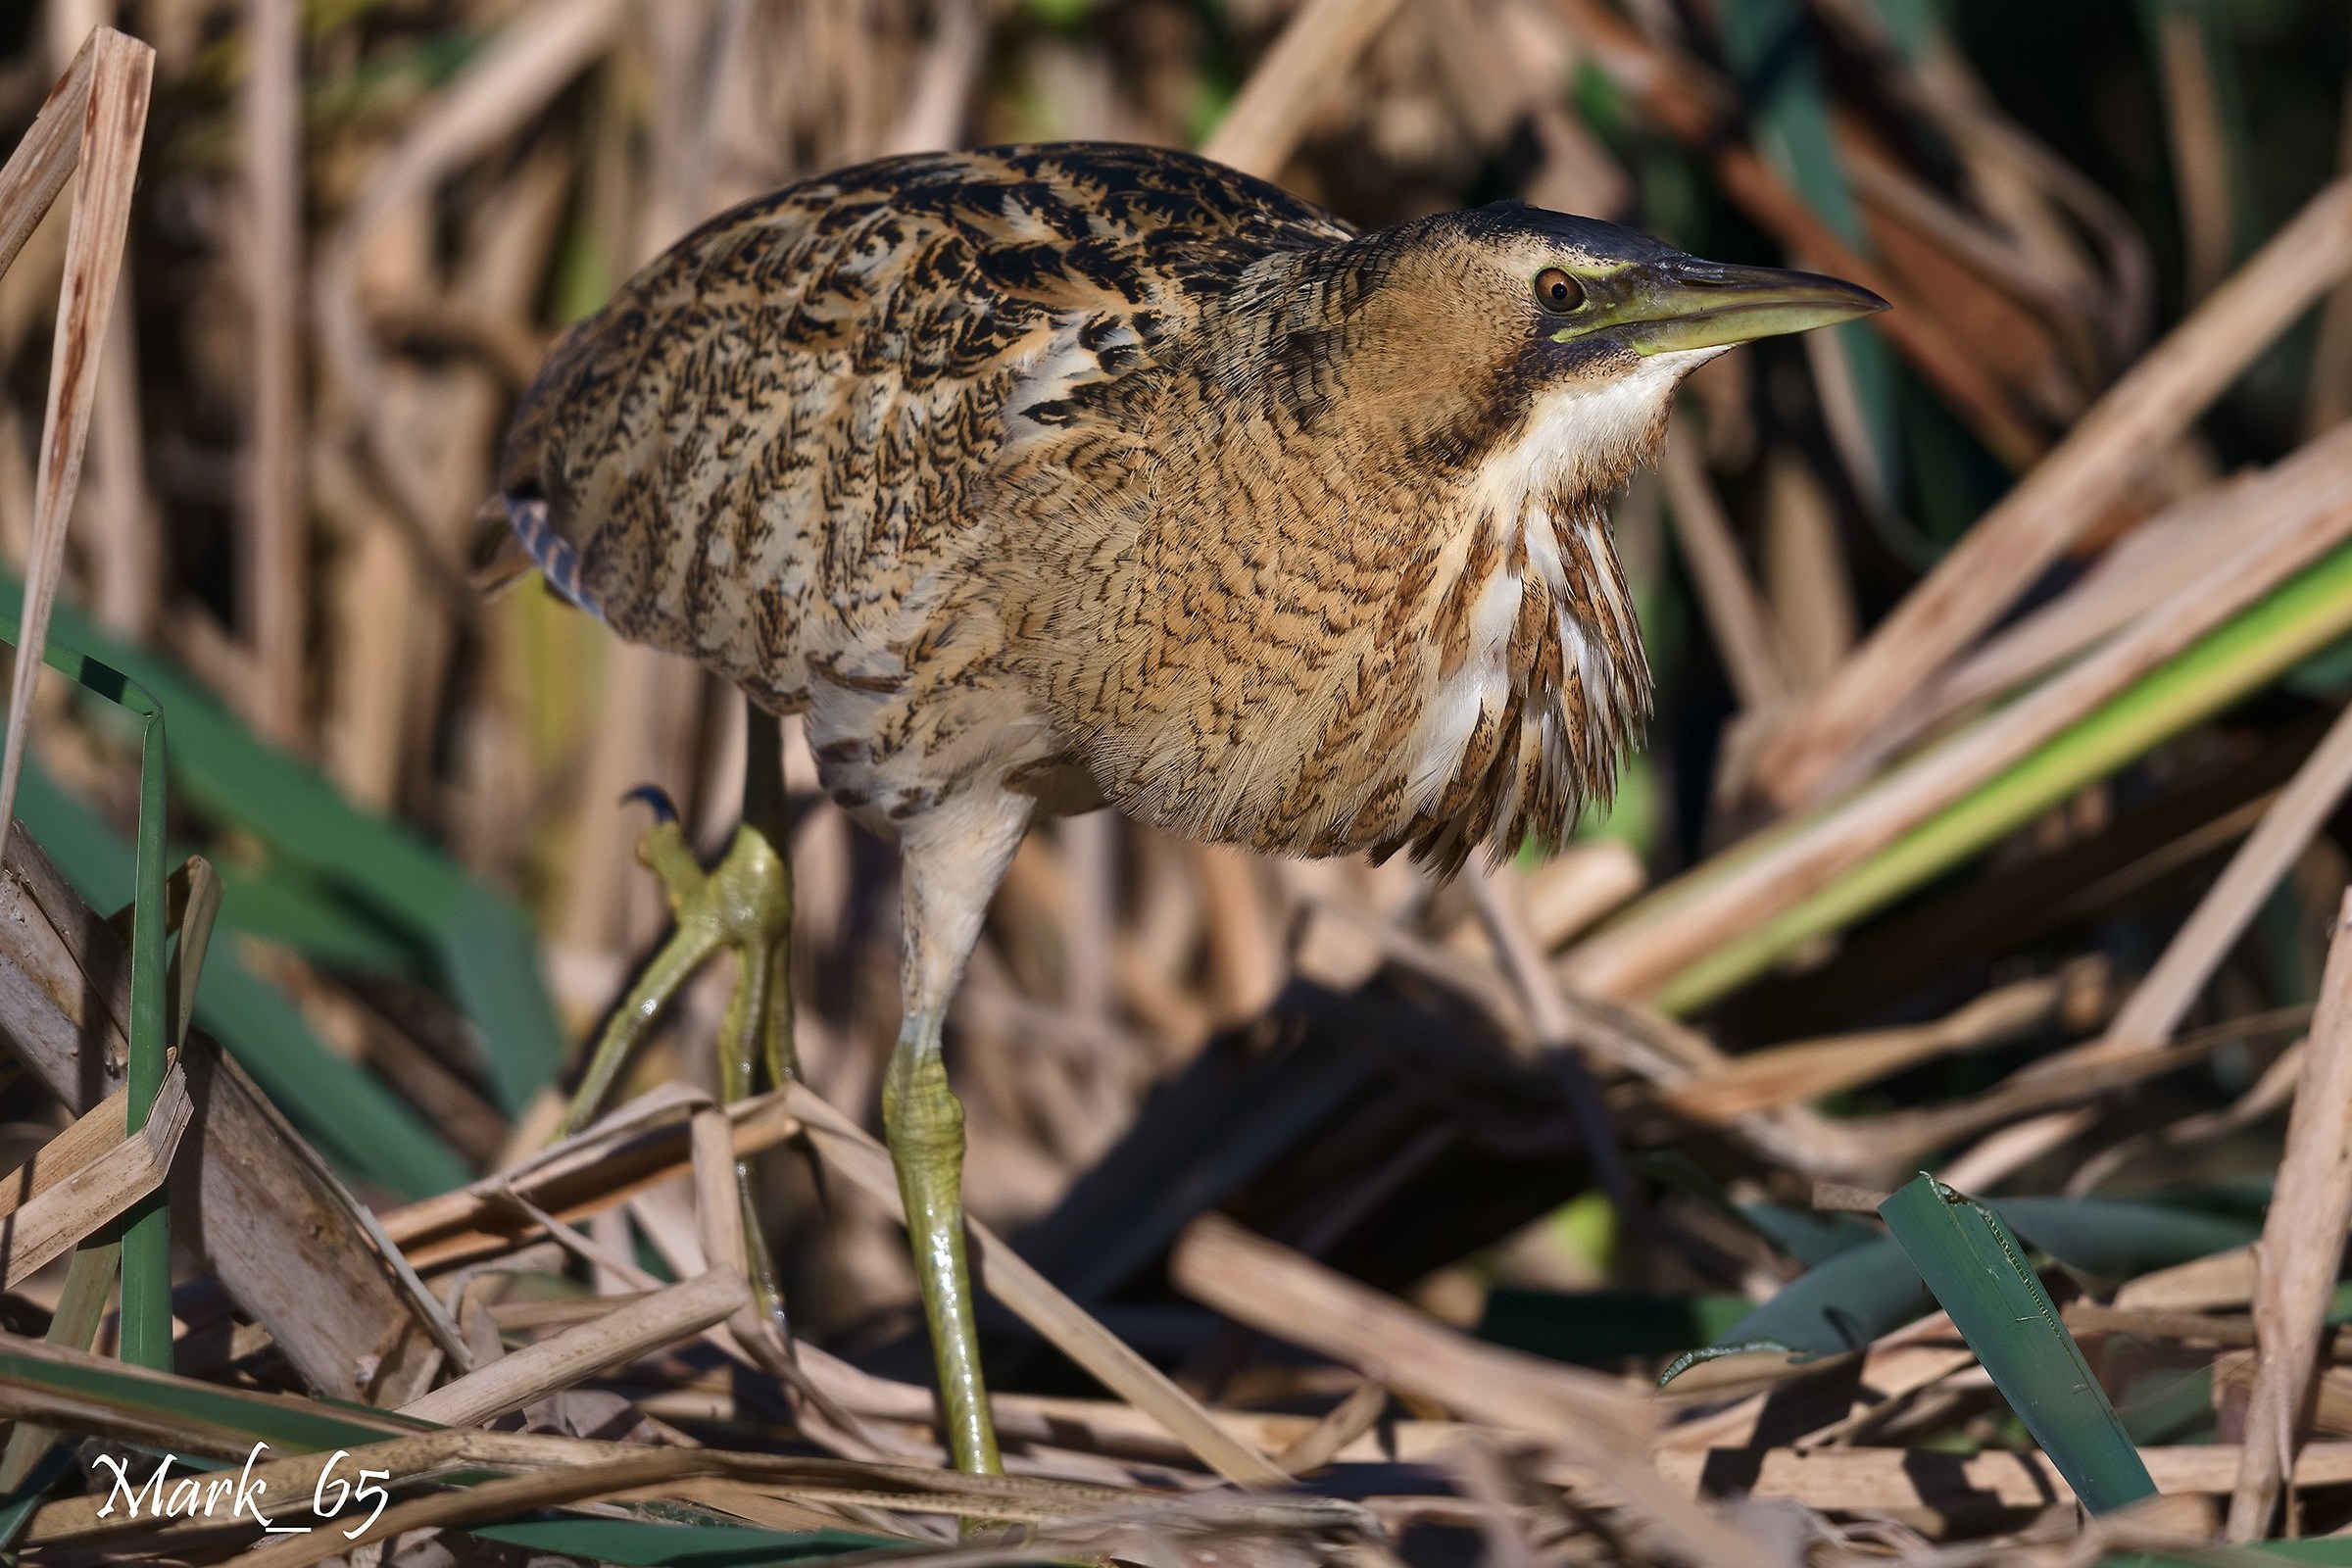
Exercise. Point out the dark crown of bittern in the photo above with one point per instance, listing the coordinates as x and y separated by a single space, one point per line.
1106 474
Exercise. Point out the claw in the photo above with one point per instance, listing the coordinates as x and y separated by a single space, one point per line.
655 798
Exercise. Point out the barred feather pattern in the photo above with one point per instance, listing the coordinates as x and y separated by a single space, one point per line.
1106 474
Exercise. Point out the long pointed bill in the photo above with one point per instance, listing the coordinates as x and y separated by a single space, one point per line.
1690 304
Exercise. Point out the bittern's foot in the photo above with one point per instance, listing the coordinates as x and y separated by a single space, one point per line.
742 906
925 1123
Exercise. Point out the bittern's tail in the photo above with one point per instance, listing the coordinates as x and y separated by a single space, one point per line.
513 538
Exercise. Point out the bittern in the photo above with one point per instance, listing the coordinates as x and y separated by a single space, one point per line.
1043 478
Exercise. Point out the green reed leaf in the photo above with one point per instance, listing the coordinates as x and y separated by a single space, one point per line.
1978 1270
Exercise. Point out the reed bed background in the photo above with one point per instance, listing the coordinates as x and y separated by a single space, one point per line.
1992 825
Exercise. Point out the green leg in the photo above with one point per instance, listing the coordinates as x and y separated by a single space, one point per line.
952 859
925 1123
767 818
752 1034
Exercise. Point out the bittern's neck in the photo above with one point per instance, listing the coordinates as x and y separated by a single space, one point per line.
1578 443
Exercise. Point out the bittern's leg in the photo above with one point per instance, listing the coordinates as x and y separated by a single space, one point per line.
766 815
953 859
759 1023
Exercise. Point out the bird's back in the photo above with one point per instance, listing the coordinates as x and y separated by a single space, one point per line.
778 429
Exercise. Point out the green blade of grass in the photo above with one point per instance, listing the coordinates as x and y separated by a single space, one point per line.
85 1393
1833 1307
145 1339
1862 1291
642 1544
1979 1272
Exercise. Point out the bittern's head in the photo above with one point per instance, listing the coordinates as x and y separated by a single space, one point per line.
1515 332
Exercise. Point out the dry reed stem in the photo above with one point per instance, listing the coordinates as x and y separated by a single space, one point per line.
528 62
1593 1421
1754 882
1847 425
1873 1479
944 80
1805 579
2327 1405
1574 889
122 545
87 1176
2222 1279
113 115
2002 1153
2062 496
1245 935
1880 1148
1807 1069
271 564
1338 1427
1009 1278
2189 1328
2157 1005
2302 1244
1482 1481
2271 1092
284 1238
1307 68
2031 195
2151 562
717 1204
1940 358
1558 1039
1495 896
647 1323
639 1146
2175 548
1090 846
1289 1295
2199 146
43 160
1734 610
2017 309
125 545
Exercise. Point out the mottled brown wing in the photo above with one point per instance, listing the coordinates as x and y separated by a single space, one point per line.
770 434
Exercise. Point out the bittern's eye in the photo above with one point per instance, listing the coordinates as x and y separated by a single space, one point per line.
1557 292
